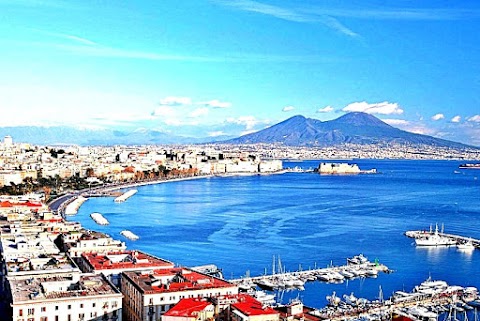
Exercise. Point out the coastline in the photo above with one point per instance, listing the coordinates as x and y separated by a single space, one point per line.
69 198
116 187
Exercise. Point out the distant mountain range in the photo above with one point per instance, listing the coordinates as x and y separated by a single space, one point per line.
355 128
63 135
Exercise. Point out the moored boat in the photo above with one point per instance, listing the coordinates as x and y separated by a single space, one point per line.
434 239
466 246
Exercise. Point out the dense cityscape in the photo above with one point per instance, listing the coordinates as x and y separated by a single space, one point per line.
54 269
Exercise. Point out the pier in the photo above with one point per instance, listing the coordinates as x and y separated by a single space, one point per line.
456 239
122 198
358 266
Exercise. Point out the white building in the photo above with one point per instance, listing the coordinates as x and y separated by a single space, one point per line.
65 297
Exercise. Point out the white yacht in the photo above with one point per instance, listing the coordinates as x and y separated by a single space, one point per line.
434 239
466 246
357 259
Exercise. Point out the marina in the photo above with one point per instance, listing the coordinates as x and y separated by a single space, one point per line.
439 238
122 198
99 219
427 301
357 266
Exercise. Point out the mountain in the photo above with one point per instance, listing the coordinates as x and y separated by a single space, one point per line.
63 135
354 128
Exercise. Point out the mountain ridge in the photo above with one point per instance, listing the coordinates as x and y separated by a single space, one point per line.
354 128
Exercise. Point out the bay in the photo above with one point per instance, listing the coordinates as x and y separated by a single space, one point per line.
240 222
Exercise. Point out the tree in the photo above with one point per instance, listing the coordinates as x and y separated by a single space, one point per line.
89 172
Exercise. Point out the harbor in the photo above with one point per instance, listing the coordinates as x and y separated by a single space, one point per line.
427 301
357 266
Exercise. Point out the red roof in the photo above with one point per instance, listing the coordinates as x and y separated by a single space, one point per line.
10 204
250 306
6 204
188 308
134 260
180 279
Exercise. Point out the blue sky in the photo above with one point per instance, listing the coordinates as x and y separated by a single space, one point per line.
212 67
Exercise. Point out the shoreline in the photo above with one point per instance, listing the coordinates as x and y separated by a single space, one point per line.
116 187
105 189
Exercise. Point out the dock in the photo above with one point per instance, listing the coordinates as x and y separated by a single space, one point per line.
125 196
457 239
358 266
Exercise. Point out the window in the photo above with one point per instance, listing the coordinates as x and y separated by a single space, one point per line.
56 318
81 316
69 317
56 308
31 311
93 304
69 306
81 305
43 309
20 313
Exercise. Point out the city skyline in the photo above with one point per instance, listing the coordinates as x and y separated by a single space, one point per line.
210 68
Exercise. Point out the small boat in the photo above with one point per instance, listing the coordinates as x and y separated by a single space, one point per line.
466 246
470 166
357 259
333 300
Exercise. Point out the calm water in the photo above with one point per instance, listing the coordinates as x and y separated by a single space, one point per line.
239 223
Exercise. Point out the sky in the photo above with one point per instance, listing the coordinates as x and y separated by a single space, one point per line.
229 67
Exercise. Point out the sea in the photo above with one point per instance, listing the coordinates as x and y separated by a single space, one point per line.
243 224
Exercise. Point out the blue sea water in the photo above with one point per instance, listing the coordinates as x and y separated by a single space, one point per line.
309 220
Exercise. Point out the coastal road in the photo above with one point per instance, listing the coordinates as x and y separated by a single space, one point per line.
56 203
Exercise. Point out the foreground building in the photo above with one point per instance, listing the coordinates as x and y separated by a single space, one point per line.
148 295
65 297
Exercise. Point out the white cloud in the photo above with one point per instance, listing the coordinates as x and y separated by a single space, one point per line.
396 122
246 132
438 117
456 119
384 108
216 133
420 129
175 101
475 119
164 111
215 103
199 112
248 121
326 109
288 108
